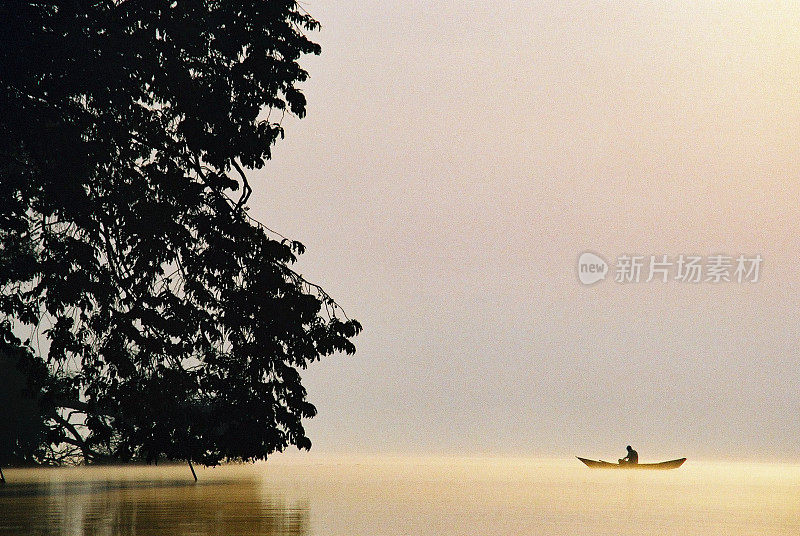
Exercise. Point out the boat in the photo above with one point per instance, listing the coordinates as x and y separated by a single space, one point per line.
600 464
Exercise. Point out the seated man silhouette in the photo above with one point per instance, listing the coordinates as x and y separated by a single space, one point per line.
631 458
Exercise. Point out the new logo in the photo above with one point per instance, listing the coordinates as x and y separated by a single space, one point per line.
591 268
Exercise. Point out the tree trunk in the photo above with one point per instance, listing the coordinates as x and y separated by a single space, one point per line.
192 468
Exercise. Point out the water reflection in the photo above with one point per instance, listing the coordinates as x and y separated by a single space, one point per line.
365 496
142 507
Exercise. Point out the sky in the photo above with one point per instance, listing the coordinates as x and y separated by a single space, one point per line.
458 157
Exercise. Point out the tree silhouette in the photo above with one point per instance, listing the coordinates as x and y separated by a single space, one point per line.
167 321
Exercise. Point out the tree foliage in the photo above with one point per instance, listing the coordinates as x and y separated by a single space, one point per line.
23 434
170 324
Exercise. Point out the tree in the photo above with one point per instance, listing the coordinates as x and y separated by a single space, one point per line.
169 323
22 412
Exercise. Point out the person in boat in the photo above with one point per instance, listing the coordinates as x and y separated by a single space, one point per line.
631 458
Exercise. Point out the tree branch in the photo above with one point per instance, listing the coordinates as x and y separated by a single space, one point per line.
246 190
79 441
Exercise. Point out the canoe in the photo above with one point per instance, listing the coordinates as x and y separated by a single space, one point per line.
600 464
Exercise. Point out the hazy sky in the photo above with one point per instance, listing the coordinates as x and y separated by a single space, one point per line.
456 159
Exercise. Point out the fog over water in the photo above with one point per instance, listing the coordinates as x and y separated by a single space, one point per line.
456 160
398 496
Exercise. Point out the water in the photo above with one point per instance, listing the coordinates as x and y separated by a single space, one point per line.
403 496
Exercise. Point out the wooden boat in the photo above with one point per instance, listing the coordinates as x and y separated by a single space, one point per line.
600 464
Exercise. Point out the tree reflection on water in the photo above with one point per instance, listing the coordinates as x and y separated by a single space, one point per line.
130 507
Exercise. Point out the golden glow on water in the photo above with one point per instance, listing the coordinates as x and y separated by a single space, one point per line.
374 496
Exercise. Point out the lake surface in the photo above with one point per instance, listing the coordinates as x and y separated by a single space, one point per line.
403 496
